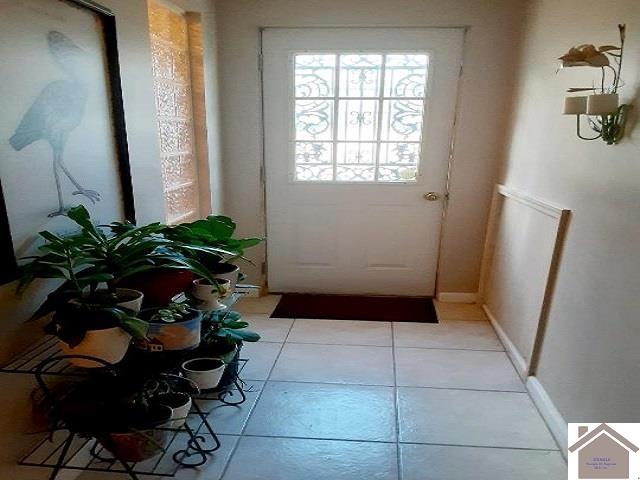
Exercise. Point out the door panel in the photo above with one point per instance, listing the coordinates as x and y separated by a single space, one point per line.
348 112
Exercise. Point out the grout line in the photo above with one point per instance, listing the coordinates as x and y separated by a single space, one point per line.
387 386
451 348
255 403
395 403
462 445
465 445
384 346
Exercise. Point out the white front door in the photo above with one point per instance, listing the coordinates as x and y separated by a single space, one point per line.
358 125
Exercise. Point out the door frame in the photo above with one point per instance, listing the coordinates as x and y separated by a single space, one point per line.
452 137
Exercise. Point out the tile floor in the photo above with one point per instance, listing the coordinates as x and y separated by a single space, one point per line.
334 399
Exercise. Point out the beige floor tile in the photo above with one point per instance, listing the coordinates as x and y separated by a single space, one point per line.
264 304
472 418
434 462
419 367
212 470
300 362
261 356
259 458
270 329
339 412
341 332
466 334
459 311
227 419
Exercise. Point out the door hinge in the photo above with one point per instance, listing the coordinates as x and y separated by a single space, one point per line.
260 62
263 268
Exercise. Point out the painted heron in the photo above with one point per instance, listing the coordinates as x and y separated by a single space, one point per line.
56 112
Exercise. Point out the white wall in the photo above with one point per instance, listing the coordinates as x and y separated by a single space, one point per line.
140 116
486 87
590 357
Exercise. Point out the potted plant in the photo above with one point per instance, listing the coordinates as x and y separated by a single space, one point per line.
174 327
215 231
208 294
206 372
122 413
97 256
222 337
95 330
88 320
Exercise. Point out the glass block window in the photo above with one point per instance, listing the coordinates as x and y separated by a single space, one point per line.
170 54
358 116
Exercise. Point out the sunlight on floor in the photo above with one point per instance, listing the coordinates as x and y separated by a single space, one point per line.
359 399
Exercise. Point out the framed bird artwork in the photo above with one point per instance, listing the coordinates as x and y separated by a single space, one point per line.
63 137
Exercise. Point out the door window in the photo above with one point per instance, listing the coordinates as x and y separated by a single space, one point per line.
358 117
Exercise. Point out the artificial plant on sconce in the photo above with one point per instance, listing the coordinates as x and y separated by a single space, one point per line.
604 114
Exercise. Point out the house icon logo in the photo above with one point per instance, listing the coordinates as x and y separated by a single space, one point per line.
602 451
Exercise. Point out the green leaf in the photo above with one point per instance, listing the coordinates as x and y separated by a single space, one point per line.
134 326
235 325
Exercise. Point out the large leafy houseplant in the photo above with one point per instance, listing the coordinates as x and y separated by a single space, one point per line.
105 255
215 231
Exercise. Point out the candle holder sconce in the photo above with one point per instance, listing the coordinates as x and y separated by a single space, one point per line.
604 114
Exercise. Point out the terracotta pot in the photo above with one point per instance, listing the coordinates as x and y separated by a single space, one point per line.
159 286
140 443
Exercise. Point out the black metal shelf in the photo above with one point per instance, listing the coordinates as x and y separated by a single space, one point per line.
188 446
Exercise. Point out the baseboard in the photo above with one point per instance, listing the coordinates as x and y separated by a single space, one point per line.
457 297
249 290
516 358
549 412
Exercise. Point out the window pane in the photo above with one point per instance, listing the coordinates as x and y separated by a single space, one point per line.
405 75
356 150
397 173
314 173
402 120
360 75
308 152
357 119
314 119
353 173
356 153
314 75
400 153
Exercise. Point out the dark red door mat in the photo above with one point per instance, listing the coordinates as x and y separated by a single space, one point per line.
356 307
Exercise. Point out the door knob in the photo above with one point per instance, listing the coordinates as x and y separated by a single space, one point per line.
431 196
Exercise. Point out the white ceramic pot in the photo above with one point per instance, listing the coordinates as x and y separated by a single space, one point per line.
227 271
180 405
209 295
135 302
109 344
204 372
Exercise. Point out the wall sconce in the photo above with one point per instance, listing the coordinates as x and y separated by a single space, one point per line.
604 114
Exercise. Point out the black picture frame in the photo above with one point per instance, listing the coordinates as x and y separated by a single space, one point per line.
8 262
